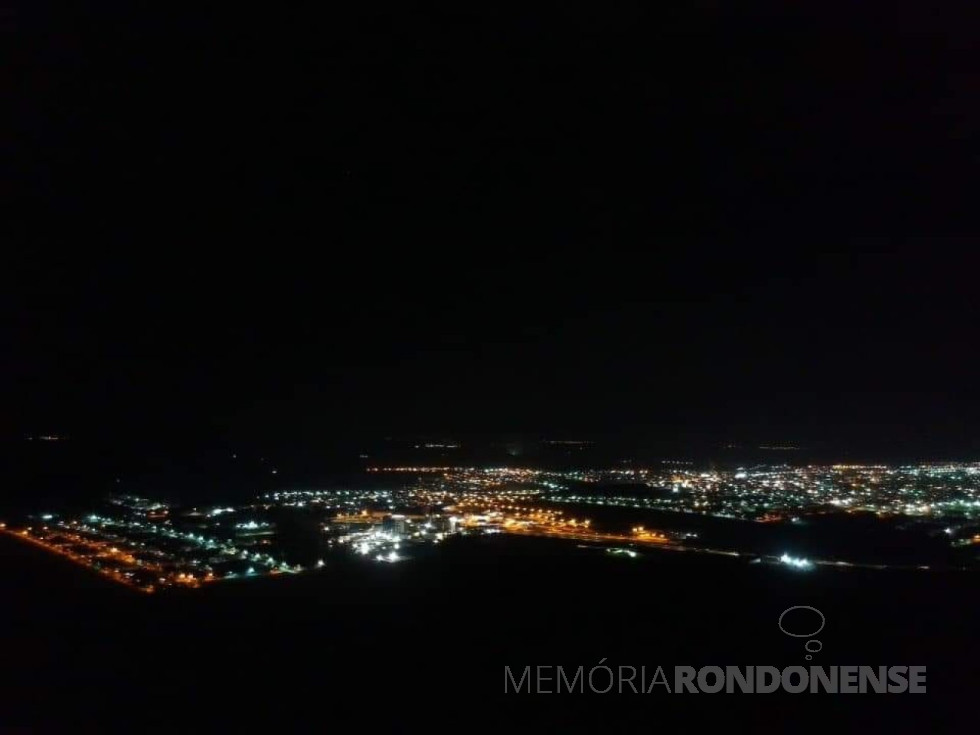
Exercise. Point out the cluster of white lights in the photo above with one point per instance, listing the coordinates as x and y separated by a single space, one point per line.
251 525
796 563
627 552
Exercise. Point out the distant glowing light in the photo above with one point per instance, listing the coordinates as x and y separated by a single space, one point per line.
625 552
795 563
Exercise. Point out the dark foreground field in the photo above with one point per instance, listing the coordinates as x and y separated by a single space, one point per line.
423 644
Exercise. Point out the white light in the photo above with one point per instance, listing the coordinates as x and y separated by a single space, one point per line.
796 563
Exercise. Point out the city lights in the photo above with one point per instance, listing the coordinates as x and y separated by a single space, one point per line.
147 544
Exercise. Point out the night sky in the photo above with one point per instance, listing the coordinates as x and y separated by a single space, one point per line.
305 227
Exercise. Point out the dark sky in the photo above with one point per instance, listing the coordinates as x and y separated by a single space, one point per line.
309 225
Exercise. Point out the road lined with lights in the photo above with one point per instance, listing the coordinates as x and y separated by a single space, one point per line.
80 560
